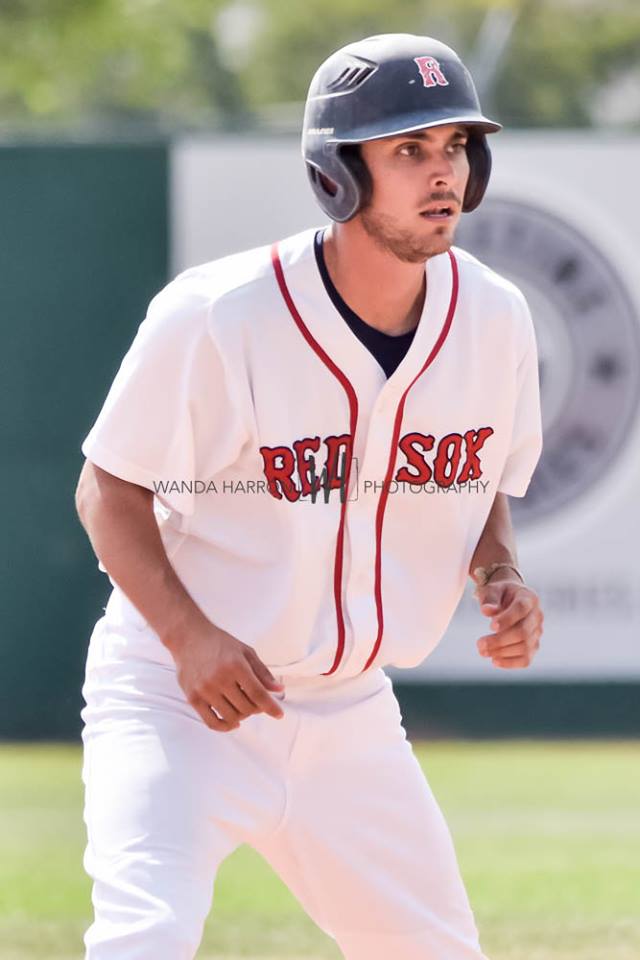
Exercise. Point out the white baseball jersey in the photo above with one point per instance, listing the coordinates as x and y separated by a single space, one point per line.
312 508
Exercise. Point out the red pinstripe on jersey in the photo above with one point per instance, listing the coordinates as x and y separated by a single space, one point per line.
382 503
353 419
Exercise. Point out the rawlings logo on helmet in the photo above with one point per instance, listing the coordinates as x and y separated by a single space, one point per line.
430 72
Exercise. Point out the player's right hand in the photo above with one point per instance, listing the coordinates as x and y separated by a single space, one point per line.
224 679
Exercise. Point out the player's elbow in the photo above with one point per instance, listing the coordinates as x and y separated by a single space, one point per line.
98 491
83 492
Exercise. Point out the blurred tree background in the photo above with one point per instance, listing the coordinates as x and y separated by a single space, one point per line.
167 65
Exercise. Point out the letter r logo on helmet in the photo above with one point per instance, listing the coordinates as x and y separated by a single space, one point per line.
430 72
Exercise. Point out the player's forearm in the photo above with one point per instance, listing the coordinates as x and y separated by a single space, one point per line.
497 541
119 520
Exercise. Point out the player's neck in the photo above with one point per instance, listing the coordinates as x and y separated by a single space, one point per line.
382 290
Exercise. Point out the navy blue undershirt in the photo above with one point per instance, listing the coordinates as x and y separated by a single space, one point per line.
388 350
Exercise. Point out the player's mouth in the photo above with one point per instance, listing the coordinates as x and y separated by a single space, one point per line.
441 212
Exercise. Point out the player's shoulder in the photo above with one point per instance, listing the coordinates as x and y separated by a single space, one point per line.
495 298
205 283
482 279
219 287
246 272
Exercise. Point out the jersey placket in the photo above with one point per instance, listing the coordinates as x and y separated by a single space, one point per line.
359 568
366 515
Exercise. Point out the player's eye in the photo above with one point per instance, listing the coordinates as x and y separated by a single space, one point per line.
409 149
459 145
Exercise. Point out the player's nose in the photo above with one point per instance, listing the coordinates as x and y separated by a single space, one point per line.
442 175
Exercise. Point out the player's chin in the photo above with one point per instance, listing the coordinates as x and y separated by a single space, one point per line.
438 244
440 233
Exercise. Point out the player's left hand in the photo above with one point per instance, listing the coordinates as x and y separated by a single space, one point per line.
516 619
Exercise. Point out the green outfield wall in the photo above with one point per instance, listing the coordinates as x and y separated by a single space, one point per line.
83 248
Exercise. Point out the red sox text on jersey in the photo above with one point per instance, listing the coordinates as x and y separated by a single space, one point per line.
292 471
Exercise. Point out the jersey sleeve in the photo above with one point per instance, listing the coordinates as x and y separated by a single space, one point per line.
169 417
526 438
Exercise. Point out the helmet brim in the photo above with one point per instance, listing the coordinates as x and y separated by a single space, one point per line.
413 123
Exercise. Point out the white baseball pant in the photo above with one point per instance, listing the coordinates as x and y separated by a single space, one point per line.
331 795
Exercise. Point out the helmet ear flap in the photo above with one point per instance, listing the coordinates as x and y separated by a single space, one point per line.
351 156
479 157
321 182
344 203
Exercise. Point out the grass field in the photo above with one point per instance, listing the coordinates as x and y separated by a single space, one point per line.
548 838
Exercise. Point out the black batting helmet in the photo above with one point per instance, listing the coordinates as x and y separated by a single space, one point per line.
378 87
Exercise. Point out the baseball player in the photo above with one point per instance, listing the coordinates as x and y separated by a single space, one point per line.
305 453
